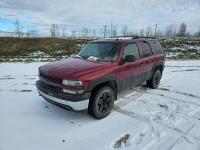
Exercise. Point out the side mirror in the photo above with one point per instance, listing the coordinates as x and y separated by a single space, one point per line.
129 58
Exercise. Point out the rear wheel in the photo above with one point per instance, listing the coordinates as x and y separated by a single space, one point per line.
101 102
155 80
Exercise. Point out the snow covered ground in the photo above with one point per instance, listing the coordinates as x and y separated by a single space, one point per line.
161 119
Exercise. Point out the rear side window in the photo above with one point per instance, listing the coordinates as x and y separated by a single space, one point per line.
157 47
131 49
146 50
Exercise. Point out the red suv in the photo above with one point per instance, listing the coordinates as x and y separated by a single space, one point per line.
93 78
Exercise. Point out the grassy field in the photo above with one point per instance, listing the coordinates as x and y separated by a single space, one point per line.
49 49
21 46
181 48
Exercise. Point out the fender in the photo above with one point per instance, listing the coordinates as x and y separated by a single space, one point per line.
104 79
155 65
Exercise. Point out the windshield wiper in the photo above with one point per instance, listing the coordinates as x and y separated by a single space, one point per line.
95 58
79 56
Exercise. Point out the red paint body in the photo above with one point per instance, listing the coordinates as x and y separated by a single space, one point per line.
89 71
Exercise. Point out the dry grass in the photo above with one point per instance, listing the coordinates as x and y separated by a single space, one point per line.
10 46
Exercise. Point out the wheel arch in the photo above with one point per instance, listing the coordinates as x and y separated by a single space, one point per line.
155 67
110 81
160 67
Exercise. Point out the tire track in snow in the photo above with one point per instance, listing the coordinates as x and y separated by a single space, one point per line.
176 99
181 66
194 103
134 95
152 123
9 77
138 92
178 92
143 118
183 136
186 70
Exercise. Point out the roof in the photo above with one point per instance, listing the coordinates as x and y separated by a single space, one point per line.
123 38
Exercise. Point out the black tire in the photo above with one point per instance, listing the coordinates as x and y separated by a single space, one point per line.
101 102
155 80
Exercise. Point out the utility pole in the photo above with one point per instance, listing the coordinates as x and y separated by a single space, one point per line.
105 27
155 33
111 29
94 33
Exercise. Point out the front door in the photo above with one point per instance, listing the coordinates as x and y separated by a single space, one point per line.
129 73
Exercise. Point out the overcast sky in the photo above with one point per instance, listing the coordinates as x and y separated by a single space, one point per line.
74 14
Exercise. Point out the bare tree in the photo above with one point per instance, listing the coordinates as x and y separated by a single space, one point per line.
34 33
114 32
85 32
111 28
101 32
54 30
142 32
132 33
169 31
125 30
155 30
30 32
175 32
159 33
63 31
148 31
105 31
19 29
197 34
73 34
182 30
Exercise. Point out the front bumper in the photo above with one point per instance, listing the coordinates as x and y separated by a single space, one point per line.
74 102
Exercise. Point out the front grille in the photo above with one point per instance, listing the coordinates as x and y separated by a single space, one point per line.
50 79
50 87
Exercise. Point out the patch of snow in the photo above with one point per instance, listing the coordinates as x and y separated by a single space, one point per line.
163 118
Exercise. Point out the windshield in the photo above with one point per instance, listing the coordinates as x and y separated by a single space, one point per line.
100 51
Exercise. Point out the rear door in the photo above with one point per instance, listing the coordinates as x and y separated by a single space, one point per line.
159 53
147 59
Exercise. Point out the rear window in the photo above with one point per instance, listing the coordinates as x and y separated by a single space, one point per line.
146 50
157 47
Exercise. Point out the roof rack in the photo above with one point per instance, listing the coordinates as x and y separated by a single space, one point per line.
145 37
130 37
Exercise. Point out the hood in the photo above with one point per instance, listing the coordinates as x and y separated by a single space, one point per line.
73 68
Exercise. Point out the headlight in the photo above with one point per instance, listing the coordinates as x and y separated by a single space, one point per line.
72 83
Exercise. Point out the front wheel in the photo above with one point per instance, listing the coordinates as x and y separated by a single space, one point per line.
155 80
101 103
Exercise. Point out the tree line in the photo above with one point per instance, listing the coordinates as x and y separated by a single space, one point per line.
58 31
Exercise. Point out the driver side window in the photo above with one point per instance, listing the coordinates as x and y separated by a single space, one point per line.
131 49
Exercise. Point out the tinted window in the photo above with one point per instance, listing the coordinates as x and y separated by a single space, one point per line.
131 49
146 50
157 47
